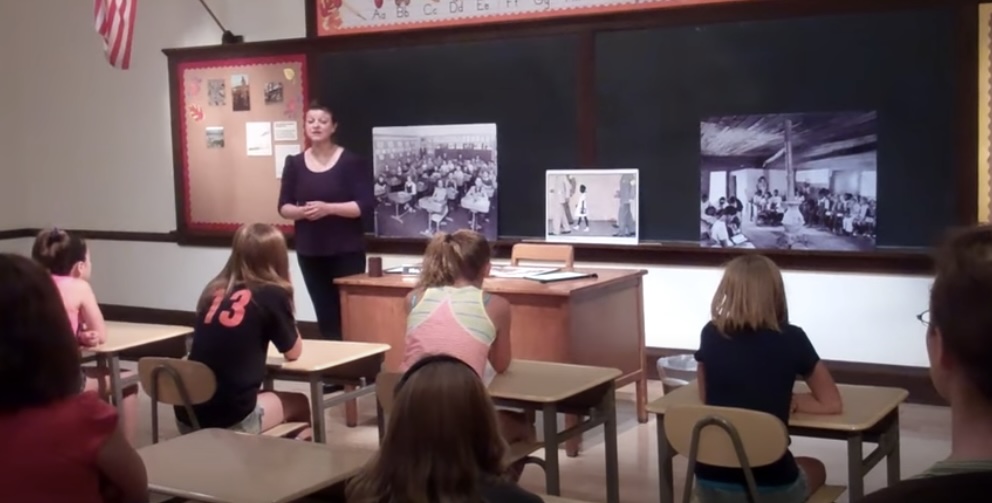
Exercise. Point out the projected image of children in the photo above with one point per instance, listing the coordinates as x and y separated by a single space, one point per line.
789 181
435 178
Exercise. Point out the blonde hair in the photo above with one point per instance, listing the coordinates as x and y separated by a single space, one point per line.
461 255
751 296
259 256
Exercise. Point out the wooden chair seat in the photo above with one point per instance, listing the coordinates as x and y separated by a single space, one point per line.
731 438
827 494
286 429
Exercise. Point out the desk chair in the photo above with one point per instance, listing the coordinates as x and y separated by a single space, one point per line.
733 438
188 383
385 386
540 252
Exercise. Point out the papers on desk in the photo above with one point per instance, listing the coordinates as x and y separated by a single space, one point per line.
553 277
509 271
406 270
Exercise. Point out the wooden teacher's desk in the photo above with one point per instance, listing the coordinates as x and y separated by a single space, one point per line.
596 321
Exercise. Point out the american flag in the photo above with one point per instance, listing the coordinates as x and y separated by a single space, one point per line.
115 24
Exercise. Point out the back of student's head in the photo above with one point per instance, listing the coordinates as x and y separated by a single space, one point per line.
460 255
441 441
751 296
259 256
960 337
58 251
39 356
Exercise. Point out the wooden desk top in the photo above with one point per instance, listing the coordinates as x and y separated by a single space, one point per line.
221 466
319 356
123 336
546 382
506 285
557 499
864 406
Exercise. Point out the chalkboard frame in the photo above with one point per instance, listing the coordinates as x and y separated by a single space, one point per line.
882 260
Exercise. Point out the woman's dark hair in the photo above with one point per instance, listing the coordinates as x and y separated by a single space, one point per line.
58 251
39 356
441 442
316 105
959 302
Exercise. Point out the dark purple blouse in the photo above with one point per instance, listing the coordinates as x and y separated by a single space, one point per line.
349 180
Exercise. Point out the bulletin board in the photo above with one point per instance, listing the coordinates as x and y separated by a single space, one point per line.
240 119
984 112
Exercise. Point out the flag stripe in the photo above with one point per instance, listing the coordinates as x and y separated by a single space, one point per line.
114 22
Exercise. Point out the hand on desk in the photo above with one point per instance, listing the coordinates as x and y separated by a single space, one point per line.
806 403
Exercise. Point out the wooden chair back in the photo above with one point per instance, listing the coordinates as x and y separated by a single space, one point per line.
540 252
175 382
727 437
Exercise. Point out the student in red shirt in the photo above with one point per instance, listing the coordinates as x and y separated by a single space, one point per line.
57 444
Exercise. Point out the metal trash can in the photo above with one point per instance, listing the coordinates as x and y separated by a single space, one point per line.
676 371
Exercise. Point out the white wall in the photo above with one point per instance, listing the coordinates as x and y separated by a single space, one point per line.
99 143
10 170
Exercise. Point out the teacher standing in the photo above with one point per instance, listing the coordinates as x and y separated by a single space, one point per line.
326 190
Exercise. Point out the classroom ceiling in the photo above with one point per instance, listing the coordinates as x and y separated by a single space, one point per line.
762 137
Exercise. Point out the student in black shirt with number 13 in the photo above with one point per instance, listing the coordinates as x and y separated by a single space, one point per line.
247 306
749 356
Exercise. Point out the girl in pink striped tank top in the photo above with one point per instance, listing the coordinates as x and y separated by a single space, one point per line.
448 313
67 259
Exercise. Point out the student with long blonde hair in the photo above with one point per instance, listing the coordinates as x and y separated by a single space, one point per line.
247 306
67 258
442 443
749 356
449 313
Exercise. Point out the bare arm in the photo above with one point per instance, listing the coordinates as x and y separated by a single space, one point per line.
824 397
296 351
89 312
291 212
500 354
123 468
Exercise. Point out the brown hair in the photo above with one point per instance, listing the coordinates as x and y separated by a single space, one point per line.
959 302
259 256
463 254
751 296
39 356
58 251
441 441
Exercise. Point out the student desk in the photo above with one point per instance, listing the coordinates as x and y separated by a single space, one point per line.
871 414
122 337
595 321
221 466
571 389
354 364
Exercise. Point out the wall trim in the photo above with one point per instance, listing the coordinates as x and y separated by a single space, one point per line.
914 379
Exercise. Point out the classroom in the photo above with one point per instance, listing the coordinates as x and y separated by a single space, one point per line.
606 121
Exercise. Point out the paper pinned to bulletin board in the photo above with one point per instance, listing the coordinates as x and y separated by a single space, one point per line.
984 112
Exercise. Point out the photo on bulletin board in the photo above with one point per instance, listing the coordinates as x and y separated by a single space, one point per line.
802 181
592 206
435 178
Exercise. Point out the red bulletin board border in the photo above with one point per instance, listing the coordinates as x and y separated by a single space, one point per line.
326 13
234 63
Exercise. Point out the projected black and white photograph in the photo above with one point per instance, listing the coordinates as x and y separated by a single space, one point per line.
592 206
789 181
435 178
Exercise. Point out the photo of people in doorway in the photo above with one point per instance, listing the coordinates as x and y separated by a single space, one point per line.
592 206
789 181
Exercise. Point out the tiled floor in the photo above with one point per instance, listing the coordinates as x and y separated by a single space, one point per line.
925 439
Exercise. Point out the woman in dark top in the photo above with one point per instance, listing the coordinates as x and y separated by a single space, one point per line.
327 191
442 443
749 356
